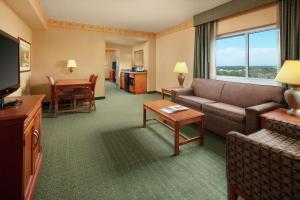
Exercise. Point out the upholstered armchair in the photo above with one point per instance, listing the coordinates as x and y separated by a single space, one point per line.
264 164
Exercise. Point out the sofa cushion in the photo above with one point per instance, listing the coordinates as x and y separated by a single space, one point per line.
208 88
245 95
192 101
231 112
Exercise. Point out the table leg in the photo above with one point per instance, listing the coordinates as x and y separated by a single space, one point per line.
201 131
144 117
162 94
176 131
56 108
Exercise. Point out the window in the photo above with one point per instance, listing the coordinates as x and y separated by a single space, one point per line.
253 54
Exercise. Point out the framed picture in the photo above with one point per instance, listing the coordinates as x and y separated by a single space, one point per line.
25 55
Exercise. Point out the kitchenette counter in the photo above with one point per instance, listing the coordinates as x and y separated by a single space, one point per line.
133 82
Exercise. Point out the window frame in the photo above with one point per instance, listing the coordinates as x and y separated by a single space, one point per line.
247 79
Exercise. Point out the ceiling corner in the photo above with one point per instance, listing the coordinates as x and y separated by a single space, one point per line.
30 11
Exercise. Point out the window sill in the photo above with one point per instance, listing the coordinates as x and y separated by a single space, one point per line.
257 81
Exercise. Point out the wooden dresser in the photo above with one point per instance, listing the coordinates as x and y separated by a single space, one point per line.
20 148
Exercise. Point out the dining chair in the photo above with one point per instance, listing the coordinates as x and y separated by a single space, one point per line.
86 95
64 95
91 77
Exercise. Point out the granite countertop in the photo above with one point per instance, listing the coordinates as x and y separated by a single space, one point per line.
144 72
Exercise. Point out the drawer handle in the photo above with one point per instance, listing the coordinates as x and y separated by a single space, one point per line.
36 137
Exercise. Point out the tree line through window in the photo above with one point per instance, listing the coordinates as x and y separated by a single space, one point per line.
249 55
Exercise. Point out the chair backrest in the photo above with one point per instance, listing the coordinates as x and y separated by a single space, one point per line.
51 81
94 81
51 84
91 77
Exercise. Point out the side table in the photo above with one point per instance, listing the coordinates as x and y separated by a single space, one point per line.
167 91
280 115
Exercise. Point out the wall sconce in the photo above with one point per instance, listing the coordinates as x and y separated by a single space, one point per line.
71 64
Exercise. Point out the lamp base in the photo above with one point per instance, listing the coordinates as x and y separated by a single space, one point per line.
295 112
292 97
181 78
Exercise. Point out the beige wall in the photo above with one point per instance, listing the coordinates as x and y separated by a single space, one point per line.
55 46
149 50
14 26
125 54
264 16
172 48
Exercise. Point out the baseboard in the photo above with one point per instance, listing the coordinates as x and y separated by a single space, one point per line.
151 92
99 98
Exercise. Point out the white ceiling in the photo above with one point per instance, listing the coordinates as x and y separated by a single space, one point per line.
142 15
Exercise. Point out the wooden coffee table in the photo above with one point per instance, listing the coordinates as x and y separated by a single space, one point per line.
176 120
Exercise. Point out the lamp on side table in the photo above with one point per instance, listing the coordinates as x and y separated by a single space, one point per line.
290 74
181 69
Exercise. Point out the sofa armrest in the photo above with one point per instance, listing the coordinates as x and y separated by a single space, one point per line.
253 112
181 91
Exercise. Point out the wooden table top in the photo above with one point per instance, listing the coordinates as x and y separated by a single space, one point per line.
281 115
72 82
20 111
179 116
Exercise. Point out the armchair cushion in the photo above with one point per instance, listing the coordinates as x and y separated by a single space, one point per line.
253 112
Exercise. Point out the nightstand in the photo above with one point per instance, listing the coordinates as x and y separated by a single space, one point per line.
280 115
167 91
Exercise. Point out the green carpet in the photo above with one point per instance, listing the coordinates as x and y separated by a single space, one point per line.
107 155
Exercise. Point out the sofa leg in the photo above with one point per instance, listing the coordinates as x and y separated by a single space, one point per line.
232 195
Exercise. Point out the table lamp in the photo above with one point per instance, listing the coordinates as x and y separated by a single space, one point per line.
71 64
290 74
180 68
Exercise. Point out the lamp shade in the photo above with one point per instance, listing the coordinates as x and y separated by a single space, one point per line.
289 73
180 68
71 63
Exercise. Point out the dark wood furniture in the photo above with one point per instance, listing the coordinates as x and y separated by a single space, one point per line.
167 91
279 115
176 120
20 147
59 94
137 82
86 94
112 75
68 84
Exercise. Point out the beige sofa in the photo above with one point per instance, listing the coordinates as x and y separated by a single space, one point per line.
230 106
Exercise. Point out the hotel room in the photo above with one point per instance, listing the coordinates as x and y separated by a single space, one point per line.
136 99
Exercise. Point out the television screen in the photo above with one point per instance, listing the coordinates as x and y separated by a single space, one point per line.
9 64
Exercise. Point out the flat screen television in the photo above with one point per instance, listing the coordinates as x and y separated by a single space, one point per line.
9 65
